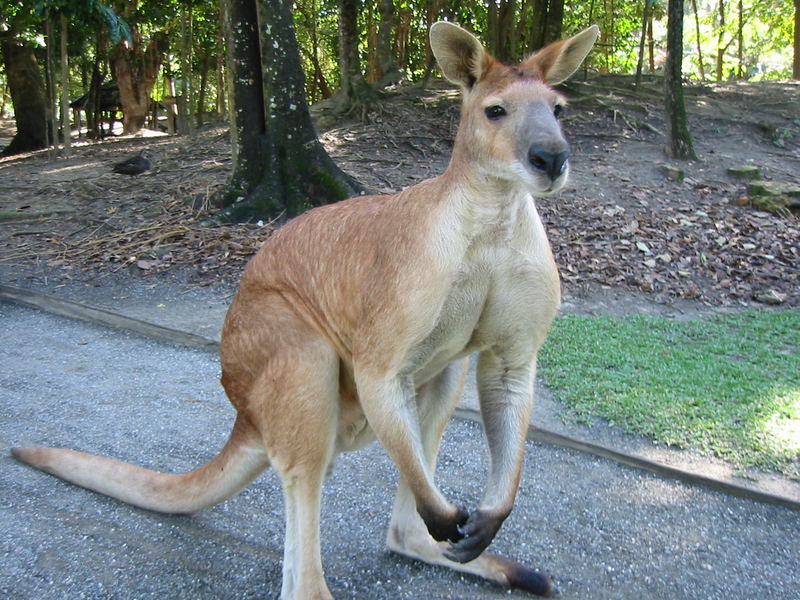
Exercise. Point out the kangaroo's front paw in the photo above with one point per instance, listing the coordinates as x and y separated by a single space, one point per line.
444 526
476 534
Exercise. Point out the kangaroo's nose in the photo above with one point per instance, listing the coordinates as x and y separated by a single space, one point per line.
551 163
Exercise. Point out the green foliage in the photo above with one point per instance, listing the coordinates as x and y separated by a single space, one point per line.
88 13
316 25
620 26
727 385
118 29
767 29
766 39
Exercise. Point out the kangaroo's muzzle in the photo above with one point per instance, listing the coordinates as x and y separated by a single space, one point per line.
549 163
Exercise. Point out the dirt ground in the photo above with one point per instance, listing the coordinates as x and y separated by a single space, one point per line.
621 227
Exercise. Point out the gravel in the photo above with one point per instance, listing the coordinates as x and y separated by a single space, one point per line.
602 530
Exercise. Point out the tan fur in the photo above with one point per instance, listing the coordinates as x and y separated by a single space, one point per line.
354 321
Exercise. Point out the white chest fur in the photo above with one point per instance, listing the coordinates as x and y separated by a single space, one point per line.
504 293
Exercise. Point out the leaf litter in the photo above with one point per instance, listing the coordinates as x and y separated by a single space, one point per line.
621 224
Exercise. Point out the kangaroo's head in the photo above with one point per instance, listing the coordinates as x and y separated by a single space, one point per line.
509 119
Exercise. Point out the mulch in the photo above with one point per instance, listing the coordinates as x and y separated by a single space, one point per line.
711 252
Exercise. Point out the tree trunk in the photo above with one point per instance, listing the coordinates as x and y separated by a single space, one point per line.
3 100
171 101
539 25
371 71
651 45
93 116
741 71
431 16
222 108
356 92
246 96
491 26
135 68
505 28
66 126
402 36
205 65
796 58
520 36
27 92
555 21
51 85
679 140
642 42
740 43
320 81
280 167
611 41
185 104
319 86
548 16
720 38
697 35
94 122
389 69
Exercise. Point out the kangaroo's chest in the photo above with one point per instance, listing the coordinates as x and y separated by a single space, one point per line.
492 301
456 323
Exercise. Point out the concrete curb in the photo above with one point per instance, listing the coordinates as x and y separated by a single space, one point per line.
108 318
101 316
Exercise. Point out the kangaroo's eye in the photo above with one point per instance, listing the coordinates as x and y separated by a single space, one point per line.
494 112
558 110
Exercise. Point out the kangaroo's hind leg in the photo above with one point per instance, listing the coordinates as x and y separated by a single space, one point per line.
302 464
293 401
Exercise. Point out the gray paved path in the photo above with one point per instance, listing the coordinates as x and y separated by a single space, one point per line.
602 530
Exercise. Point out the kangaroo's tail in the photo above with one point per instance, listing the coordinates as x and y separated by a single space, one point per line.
241 460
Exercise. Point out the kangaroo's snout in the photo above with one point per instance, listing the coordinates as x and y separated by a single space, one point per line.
550 163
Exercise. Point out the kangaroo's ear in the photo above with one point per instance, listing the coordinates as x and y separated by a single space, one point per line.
460 55
559 60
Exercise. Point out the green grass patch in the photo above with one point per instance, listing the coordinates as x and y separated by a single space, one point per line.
728 385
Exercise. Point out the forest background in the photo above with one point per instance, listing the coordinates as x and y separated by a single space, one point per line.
172 52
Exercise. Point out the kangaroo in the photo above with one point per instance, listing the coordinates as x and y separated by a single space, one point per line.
355 321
